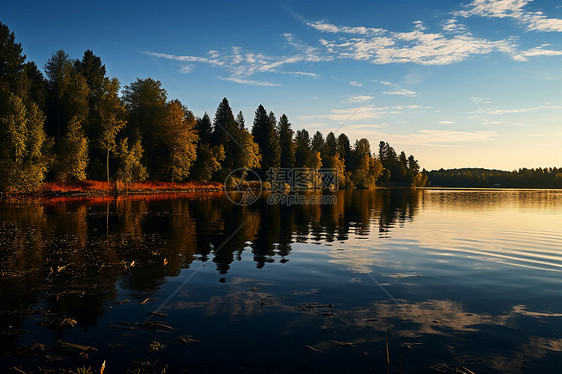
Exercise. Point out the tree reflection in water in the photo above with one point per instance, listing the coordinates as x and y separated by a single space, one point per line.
77 259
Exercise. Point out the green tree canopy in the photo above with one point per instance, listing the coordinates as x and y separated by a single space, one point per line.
286 143
11 57
265 134
180 140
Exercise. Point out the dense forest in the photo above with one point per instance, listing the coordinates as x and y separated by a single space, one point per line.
74 123
473 177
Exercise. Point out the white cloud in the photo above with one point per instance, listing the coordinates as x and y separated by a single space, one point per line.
418 25
186 69
442 136
537 51
381 46
358 99
401 91
400 107
519 110
304 74
453 26
396 89
249 82
326 27
355 114
241 64
494 123
211 61
439 138
417 46
356 84
480 100
512 9
446 122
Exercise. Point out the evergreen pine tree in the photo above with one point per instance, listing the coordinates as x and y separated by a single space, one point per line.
286 143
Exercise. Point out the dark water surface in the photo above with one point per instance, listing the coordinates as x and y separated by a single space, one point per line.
428 280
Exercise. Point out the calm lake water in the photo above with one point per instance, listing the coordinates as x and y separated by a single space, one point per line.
383 281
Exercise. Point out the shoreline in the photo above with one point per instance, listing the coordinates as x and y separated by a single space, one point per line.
101 190
80 191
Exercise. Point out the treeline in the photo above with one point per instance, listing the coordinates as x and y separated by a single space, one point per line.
75 123
474 177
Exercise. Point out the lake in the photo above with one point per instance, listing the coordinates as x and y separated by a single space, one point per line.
389 280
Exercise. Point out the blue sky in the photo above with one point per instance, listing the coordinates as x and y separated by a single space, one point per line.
458 84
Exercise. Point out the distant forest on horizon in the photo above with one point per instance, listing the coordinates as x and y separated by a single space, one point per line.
74 123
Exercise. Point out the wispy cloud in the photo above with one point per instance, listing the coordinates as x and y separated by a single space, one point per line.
356 84
442 136
360 30
186 69
357 99
416 46
453 44
401 92
537 51
452 25
518 110
439 138
363 112
533 20
396 89
480 100
303 74
446 122
211 61
488 122
249 82
400 107
241 64
357 114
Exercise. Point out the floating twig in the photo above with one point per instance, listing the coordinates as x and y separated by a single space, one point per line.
343 344
68 322
73 348
312 348
61 268
186 340
159 314
156 326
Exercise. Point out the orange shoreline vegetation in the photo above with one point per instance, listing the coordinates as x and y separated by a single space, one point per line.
98 191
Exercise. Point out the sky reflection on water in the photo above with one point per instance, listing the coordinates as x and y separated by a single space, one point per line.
454 278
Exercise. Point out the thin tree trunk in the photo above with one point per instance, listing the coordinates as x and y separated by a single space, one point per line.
107 165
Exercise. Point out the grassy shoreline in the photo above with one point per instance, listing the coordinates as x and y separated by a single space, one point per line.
96 189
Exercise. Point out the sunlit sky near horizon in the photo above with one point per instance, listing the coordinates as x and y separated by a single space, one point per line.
457 84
